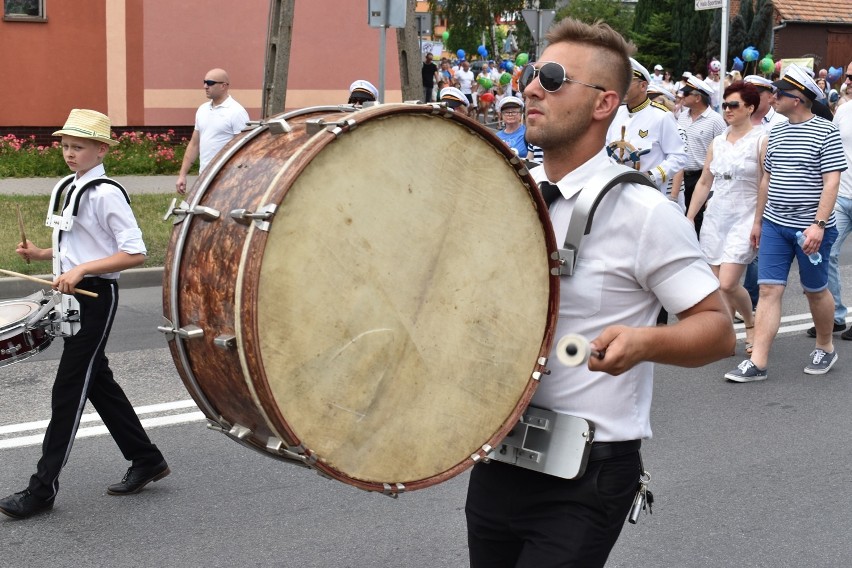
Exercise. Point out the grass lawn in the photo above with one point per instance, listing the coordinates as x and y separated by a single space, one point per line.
148 208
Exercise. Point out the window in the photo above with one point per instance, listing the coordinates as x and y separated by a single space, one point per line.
24 11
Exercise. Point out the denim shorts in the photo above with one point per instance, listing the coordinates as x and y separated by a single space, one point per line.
775 256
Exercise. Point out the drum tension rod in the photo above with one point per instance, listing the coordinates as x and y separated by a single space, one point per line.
261 218
188 332
180 212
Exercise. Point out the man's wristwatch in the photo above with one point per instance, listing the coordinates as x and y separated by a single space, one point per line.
819 223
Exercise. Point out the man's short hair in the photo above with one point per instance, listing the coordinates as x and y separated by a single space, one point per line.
616 49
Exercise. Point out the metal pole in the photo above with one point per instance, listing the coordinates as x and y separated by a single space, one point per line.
382 49
724 55
538 37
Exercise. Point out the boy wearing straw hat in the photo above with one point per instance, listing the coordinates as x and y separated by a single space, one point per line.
95 237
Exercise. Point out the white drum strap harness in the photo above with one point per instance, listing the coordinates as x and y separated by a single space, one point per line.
553 442
61 220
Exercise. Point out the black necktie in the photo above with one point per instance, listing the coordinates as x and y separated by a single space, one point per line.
549 192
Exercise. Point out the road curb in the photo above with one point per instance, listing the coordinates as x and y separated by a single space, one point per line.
134 278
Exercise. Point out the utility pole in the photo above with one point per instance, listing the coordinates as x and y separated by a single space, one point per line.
278 37
410 56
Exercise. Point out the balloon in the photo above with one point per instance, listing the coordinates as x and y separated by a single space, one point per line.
715 66
766 65
505 79
487 98
834 74
522 59
445 36
481 50
751 54
738 64
486 83
510 66
460 54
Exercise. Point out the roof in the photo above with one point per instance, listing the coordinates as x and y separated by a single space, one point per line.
814 11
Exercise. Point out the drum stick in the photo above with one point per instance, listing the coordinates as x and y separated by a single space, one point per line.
21 227
45 282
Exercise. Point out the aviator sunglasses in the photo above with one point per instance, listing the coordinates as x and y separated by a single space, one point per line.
551 75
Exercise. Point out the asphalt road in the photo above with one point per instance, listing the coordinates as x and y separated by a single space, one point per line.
756 475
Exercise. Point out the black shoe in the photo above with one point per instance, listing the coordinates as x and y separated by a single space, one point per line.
24 504
846 334
138 477
837 327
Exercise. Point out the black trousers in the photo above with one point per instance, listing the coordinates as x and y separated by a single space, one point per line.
690 179
519 518
84 373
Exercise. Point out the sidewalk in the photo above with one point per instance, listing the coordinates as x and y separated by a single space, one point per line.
11 288
133 184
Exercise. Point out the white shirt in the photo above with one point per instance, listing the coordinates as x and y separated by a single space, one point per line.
843 120
641 251
216 126
465 80
651 126
104 225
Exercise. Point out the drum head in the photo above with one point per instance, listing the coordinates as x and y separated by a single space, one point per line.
403 298
16 311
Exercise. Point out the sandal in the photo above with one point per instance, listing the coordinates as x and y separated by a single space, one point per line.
749 346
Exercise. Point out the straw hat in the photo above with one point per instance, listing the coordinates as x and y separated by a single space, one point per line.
84 123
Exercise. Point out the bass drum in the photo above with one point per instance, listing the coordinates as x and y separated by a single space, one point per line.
365 292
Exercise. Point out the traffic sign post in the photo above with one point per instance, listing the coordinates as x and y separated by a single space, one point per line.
538 21
384 14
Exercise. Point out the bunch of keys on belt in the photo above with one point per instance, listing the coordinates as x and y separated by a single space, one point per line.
643 498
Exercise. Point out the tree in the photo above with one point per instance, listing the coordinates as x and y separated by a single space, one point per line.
747 12
691 31
610 11
760 31
472 20
655 45
737 37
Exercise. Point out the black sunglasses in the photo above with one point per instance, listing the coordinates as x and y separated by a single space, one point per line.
551 75
210 83
849 77
732 104
784 93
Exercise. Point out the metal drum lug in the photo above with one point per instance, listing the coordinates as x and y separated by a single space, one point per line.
279 126
180 212
188 332
239 432
226 342
261 217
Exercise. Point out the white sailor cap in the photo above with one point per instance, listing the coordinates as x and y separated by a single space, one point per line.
760 82
363 91
795 78
657 90
658 67
639 71
693 83
452 95
509 101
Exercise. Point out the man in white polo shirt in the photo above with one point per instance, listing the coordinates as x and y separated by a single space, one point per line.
216 123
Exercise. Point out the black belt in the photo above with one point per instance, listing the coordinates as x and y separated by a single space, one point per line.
607 450
97 281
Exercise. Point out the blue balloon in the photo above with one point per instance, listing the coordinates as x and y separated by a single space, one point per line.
834 74
481 50
751 54
460 54
510 66
738 64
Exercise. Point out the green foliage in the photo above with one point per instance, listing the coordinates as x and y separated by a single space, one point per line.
760 31
655 45
613 12
148 209
747 13
471 20
135 154
691 31
737 38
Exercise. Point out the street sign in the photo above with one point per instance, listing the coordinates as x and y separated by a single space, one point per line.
708 4
424 24
538 25
386 13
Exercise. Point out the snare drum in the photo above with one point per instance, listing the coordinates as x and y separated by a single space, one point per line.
368 293
21 336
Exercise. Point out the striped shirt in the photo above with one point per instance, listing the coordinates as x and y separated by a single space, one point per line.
797 156
699 134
